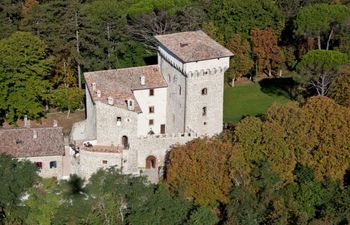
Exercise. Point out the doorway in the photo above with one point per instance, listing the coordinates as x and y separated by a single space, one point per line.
151 162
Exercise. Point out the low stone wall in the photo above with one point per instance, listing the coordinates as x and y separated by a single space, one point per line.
90 162
158 147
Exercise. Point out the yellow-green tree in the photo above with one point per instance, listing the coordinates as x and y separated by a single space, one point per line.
340 88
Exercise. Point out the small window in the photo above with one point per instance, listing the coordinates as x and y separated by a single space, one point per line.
179 90
169 78
119 121
204 111
39 165
151 92
205 123
151 109
104 161
130 103
150 122
53 164
204 91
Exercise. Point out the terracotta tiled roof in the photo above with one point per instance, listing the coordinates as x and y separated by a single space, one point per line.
100 148
193 46
119 84
21 142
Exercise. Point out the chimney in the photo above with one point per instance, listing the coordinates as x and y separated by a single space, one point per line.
98 93
93 86
110 100
143 80
26 121
55 123
35 134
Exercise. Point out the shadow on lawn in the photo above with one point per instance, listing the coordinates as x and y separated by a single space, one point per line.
283 86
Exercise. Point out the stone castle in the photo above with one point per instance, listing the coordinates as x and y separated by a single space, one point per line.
135 115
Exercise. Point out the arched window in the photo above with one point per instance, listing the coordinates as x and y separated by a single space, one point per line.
204 111
204 91
125 142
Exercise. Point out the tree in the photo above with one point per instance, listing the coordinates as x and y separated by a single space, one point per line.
43 202
235 16
321 20
24 70
9 17
200 170
67 98
58 23
16 178
104 36
241 63
316 134
318 68
252 204
340 88
149 18
266 50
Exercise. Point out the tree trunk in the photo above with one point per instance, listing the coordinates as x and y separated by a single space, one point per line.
109 47
319 41
233 82
78 47
68 113
329 38
280 73
323 86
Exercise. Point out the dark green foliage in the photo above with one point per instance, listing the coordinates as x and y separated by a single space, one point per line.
237 16
321 19
9 17
306 201
16 177
54 22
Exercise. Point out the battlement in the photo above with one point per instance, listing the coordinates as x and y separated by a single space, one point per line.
170 136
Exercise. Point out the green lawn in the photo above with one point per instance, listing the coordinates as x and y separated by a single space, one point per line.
250 100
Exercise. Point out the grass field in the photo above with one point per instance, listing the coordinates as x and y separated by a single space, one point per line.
250 99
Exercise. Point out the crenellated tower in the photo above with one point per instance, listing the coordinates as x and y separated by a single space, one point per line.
193 65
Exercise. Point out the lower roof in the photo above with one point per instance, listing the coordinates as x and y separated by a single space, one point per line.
120 84
32 142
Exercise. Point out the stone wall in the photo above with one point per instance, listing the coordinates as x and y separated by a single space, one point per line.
175 97
208 122
46 171
90 129
90 162
159 146
108 132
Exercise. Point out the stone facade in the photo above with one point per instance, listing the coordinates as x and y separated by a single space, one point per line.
47 171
